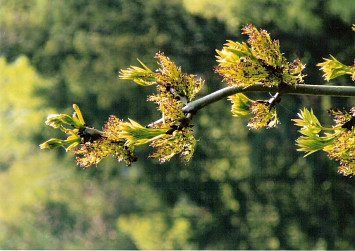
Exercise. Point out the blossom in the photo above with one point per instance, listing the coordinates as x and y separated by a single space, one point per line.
265 115
262 62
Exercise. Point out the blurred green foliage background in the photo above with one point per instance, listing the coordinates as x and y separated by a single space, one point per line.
242 189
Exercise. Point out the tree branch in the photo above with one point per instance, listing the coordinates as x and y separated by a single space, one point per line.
302 89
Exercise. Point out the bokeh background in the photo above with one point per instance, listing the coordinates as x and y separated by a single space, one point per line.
241 190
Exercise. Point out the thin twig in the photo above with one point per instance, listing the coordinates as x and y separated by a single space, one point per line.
315 90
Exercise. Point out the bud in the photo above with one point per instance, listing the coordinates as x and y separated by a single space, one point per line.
52 143
73 121
54 121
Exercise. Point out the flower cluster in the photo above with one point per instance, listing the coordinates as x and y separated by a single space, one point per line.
264 111
109 143
91 145
179 141
173 134
262 62
265 115
340 144
343 147
91 153
175 89
169 136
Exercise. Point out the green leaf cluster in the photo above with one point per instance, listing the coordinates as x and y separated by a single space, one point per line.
332 68
136 134
142 76
261 61
338 141
171 136
175 88
59 121
264 112
241 105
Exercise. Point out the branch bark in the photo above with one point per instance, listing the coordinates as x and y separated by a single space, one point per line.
302 89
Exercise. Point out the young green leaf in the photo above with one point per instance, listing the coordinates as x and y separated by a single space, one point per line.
311 142
308 121
136 134
241 105
332 68
340 145
142 76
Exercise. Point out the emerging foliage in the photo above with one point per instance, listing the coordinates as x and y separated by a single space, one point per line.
136 134
241 105
338 141
264 111
171 136
143 76
59 121
175 89
332 68
92 145
263 62
241 64
259 61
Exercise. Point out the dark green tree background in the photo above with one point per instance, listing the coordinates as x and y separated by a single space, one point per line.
242 189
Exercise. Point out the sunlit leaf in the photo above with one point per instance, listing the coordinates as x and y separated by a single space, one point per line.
136 134
241 104
332 68
143 76
340 144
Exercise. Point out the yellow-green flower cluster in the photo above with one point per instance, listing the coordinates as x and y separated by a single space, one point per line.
173 134
110 143
264 112
91 153
180 141
175 89
262 62
343 150
343 146
264 115
340 144
130 134
91 145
